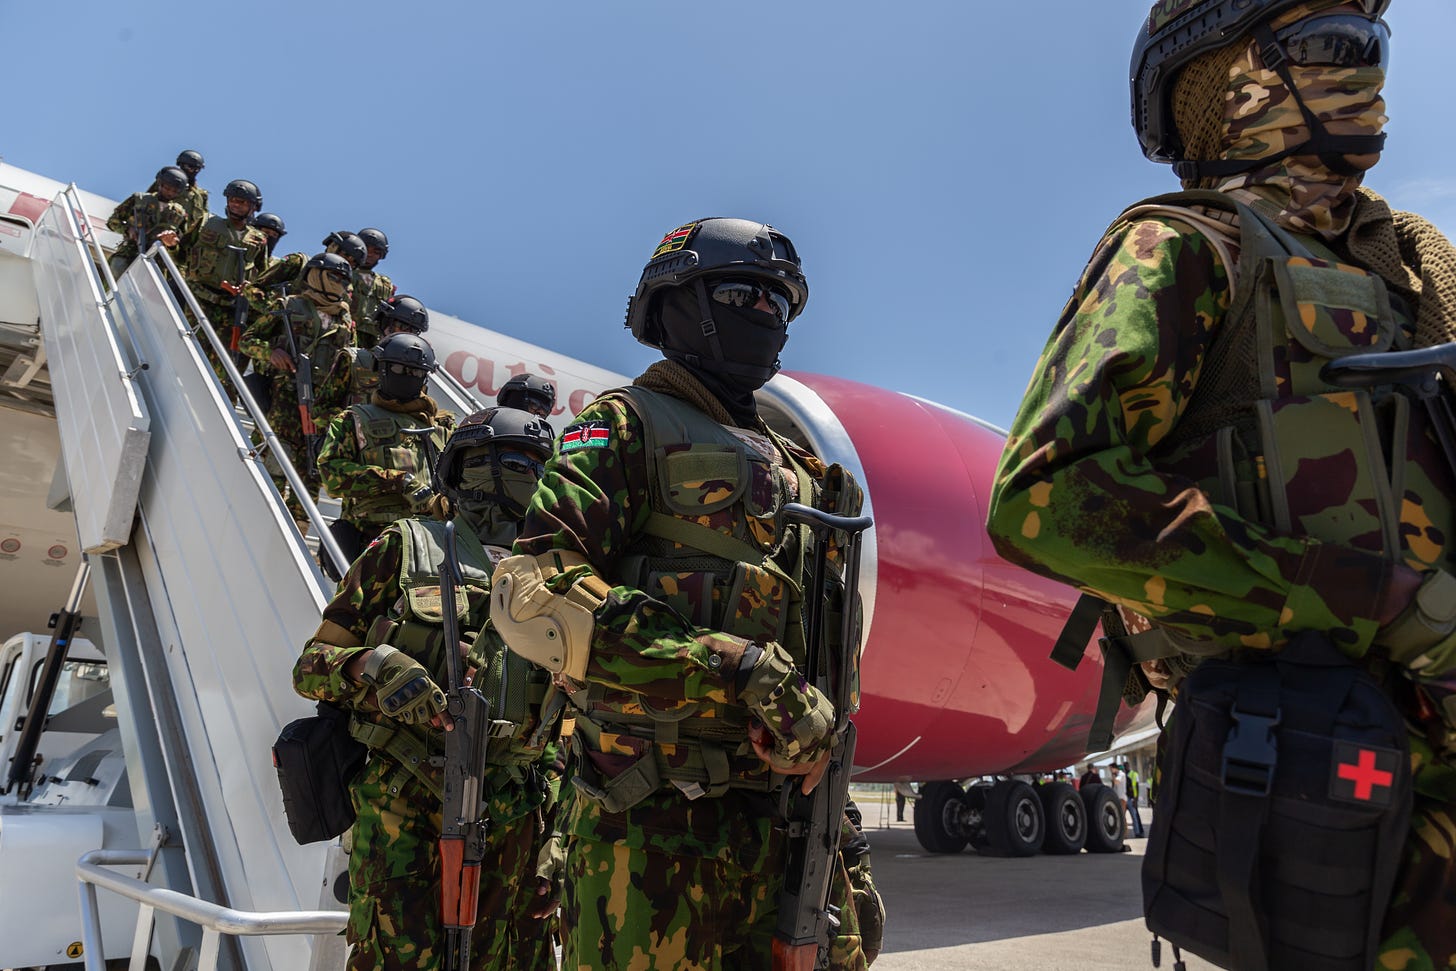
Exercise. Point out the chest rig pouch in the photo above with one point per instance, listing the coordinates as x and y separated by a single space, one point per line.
383 444
710 550
415 626
321 341
363 379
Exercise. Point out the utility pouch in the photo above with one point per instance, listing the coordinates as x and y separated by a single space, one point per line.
1282 812
317 759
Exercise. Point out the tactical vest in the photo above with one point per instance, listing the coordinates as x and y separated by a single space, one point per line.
1265 435
524 705
383 444
159 215
363 379
364 302
210 261
321 343
709 549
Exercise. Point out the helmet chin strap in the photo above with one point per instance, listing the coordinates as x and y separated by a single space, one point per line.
1330 149
719 364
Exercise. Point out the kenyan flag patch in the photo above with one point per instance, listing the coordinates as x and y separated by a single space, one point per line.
589 434
675 240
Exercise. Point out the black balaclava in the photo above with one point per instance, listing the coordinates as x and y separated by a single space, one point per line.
401 387
749 341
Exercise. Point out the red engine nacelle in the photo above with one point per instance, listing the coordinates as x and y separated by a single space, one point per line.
956 676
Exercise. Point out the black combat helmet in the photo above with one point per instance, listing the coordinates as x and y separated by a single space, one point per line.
172 176
404 363
511 432
695 301
404 312
528 392
351 247
243 189
190 160
375 239
1177 31
271 222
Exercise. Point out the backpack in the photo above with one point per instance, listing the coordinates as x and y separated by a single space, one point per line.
317 759
1283 809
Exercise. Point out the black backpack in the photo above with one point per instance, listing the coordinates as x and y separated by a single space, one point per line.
316 759
1282 812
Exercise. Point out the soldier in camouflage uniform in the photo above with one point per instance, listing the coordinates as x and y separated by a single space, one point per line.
528 392
370 287
286 272
271 226
378 653
1180 454
194 197
653 576
318 318
216 271
156 212
374 457
399 315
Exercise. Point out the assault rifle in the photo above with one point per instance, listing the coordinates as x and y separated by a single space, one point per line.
240 302
303 381
806 922
462 834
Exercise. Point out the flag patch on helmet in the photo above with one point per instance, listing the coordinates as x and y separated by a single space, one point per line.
590 434
675 240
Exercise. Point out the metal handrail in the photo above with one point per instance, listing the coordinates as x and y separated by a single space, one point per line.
235 378
464 402
214 919
73 197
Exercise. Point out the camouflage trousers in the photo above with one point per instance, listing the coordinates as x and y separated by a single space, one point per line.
220 316
626 909
1420 925
287 424
394 889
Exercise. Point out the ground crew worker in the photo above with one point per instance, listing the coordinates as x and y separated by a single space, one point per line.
370 459
400 315
655 537
318 318
271 226
370 286
215 271
1178 416
378 653
156 214
194 197
529 392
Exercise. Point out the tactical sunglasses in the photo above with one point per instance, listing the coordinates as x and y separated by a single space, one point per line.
1338 40
394 367
521 462
744 294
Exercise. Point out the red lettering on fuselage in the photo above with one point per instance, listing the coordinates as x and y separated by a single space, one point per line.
478 373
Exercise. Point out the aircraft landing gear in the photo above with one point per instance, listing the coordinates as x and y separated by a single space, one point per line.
1104 817
943 818
1066 818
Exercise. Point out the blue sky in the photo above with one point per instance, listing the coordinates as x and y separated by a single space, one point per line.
944 167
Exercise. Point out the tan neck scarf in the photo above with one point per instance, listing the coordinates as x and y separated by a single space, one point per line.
423 405
672 378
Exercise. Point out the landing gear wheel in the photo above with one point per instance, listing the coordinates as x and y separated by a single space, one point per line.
1015 825
937 818
1066 818
1104 820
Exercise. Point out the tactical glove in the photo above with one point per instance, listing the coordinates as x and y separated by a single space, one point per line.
403 686
418 494
1423 639
795 713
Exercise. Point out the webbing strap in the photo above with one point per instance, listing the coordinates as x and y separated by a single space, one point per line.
1119 654
1071 645
1243 812
407 748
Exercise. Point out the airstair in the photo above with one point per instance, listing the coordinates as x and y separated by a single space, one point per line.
205 592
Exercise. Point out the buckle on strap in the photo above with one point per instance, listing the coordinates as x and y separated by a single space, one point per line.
1250 753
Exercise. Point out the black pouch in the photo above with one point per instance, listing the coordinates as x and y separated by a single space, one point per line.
1283 809
316 759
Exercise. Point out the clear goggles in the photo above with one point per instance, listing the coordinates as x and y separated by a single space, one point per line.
745 294
1337 40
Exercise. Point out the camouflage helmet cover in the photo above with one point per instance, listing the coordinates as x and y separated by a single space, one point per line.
717 245
1176 32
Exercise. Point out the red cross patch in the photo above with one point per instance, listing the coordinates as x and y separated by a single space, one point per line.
1364 774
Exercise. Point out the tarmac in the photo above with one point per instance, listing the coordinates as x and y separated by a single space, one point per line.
1048 913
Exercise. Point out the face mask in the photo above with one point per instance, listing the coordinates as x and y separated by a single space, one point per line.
516 488
746 337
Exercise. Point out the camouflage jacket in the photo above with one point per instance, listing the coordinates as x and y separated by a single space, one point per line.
330 381
370 596
150 210
194 201
348 474
594 501
369 289
1083 492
